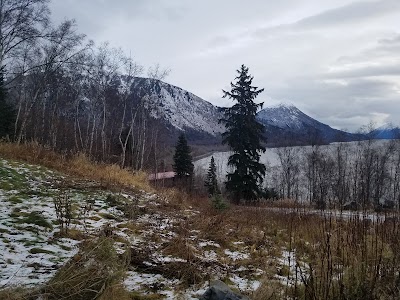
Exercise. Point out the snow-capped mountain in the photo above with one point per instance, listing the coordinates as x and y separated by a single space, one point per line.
386 131
177 107
180 110
290 123
285 117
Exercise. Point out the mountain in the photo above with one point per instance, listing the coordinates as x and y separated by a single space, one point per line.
288 124
179 109
386 132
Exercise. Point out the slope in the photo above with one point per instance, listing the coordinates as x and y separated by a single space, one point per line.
288 124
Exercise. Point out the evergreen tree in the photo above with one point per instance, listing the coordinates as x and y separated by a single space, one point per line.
244 134
211 181
183 165
7 113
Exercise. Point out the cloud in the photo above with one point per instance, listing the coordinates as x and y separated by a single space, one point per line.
349 104
368 71
352 13
337 60
390 41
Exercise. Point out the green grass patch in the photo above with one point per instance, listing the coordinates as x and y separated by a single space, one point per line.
115 200
17 212
35 218
30 228
66 248
15 200
12 180
4 230
6 241
39 193
29 243
39 251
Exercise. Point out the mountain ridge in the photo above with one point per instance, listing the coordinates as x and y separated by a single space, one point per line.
177 107
182 110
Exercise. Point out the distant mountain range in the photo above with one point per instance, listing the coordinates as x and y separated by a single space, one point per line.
180 110
387 131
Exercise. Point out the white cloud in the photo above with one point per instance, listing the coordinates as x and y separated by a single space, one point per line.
339 60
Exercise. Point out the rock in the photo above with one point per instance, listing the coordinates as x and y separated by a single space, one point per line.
220 291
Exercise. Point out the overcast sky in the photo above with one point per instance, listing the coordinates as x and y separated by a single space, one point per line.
337 60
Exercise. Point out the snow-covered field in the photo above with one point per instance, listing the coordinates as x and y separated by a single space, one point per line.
29 254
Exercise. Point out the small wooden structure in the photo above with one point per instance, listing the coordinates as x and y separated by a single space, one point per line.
163 179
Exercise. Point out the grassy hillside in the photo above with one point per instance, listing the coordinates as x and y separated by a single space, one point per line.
71 229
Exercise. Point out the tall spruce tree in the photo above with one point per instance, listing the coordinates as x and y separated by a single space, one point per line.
244 135
211 181
183 165
7 112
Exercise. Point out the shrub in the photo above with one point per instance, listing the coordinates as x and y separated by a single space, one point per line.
218 202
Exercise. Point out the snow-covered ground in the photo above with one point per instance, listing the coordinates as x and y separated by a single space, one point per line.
32 251
29 253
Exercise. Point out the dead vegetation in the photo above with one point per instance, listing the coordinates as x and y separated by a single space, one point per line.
109 176
94 273
290 251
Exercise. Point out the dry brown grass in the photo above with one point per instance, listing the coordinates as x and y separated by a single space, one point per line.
94 273
17 294
78 165
343 258
286 203
179 247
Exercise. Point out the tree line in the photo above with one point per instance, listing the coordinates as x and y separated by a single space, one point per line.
357 175
61 90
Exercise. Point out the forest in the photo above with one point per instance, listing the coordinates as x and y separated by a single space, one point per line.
67 93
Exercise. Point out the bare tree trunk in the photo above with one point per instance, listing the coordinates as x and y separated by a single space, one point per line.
92 135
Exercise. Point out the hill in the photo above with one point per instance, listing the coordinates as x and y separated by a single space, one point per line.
286 124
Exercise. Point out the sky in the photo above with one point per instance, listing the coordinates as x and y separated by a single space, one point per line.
336 60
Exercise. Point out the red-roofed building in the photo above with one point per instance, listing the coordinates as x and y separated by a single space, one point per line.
163 179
